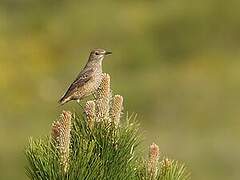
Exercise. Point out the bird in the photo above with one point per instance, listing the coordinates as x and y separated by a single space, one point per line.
89 78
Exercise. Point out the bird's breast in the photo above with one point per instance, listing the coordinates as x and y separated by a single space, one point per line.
98 79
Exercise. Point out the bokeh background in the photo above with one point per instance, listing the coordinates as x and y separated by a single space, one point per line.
176 62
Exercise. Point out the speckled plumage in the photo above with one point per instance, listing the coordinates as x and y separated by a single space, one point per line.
88 80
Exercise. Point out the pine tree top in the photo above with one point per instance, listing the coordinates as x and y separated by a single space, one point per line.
101 144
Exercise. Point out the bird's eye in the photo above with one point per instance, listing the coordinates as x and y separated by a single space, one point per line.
96 53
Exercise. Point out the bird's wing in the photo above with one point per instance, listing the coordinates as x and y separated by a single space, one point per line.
81 79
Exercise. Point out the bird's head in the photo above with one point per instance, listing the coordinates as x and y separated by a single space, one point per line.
98 54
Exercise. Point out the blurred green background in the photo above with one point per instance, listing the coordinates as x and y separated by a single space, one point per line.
176 62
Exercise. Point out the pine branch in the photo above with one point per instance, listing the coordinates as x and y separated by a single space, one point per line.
99 145
171 169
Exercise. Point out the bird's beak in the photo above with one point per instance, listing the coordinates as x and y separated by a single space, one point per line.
108 53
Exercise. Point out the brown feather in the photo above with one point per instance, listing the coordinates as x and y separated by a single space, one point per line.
81 79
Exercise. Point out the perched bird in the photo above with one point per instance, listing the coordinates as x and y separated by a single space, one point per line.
88 80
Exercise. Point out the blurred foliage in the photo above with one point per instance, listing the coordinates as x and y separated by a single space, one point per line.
176 63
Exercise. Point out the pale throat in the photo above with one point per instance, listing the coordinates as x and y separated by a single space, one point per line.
100 60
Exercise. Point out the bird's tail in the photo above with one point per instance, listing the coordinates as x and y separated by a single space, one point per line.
63 100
